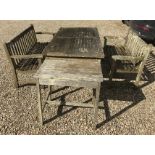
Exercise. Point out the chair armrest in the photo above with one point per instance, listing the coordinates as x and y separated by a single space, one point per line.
113 37
27 56
114 40
122 57
50 33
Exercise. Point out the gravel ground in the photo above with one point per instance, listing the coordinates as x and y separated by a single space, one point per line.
126 112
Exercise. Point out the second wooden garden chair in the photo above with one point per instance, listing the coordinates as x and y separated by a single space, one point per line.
24 52
130 56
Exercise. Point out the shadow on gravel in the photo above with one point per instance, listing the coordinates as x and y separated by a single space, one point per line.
121 91
60 113
61 98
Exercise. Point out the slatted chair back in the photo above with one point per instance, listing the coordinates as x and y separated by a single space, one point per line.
135 46
21 44
131 44
145 51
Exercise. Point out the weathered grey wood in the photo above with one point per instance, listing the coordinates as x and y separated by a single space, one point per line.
75 42
51 33
27 56
50 91
96 94
48 95
24 52
39 103
141 66
114 40
39 62
113 70
129 57
72 72
12 68
124 57
68 82
77 32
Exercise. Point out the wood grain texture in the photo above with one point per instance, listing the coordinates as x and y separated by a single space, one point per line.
70 72
75 42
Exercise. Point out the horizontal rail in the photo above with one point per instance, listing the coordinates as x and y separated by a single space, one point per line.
27 56
76 104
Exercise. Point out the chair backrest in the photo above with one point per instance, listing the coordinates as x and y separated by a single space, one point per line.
145 51
135 45
22 43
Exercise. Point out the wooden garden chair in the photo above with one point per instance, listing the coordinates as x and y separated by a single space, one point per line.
129 54
24 52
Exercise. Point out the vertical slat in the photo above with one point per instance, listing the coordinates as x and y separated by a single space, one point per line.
17 50
19 47
28 41
34 35
32 39
24 44
12 47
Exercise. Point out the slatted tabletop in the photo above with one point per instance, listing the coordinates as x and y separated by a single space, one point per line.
75 42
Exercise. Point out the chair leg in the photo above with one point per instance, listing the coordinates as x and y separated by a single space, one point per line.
136 83
138 79
139 74
16 84
39 104
39 62
113 70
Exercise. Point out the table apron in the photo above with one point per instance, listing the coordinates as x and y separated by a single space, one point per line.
64 82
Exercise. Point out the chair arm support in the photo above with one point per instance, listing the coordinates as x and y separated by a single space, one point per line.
114 40
50 33
120 57
27 56
113 37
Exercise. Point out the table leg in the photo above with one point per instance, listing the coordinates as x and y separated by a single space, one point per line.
39 103
96 95
50 92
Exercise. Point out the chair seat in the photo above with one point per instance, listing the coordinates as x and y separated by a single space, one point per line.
127 67
38 48
27 64
31 64
116 50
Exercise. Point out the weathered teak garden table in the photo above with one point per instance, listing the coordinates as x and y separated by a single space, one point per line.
72 50
70 72
75 42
